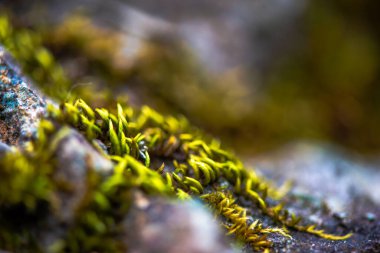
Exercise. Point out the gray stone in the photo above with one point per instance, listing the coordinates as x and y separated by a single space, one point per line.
159 225
323 172
75 157
4 148
20 106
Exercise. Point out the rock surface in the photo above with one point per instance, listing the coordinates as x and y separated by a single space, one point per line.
20 106
157 225
331 189
4 148
75 156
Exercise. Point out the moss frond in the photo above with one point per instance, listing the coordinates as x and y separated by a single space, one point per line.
238 223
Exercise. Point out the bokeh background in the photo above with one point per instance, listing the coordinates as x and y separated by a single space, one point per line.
256 74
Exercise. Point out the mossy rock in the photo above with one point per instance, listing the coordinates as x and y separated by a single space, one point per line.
91 161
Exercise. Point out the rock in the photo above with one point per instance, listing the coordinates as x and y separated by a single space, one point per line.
158 225
75 156
4 148
322 174
74 153
20 106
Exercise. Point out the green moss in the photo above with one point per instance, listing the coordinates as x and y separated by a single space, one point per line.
35 60
160 155
132 134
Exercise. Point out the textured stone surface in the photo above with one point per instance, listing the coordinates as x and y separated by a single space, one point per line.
20 106
155 226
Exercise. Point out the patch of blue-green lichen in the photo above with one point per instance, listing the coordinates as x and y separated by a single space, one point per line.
20 107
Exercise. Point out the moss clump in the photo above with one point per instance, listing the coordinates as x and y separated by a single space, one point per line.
160 155
187 160
35 60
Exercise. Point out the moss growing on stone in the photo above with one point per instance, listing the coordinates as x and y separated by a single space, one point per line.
160 155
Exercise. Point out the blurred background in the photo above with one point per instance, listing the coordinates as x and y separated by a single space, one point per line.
256 74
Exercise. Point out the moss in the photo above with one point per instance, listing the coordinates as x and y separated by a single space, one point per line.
35 60
137 140
160 155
